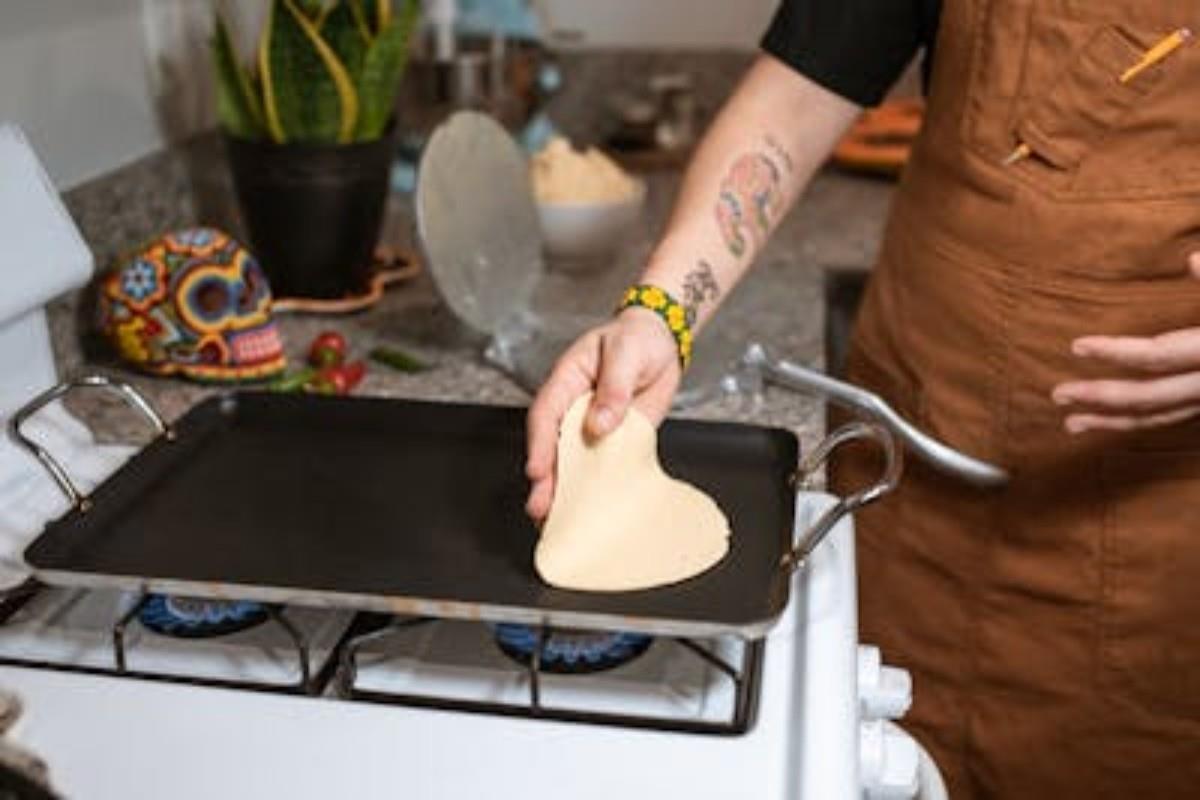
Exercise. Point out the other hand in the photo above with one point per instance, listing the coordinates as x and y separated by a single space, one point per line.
631 360
1169 394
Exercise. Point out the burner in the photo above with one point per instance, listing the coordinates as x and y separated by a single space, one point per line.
571 651
195 618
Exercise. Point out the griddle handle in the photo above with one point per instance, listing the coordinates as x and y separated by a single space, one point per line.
124 390
938 454
893 465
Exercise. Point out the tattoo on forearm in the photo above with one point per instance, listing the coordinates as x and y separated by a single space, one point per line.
780 153
750 198
699 286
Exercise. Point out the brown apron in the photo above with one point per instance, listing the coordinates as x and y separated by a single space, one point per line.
1053 627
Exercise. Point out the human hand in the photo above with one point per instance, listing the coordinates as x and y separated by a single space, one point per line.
631 360
1168 395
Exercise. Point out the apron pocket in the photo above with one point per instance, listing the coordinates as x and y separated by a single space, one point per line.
1150 568
1083 106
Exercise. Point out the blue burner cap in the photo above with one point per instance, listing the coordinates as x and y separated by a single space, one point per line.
194 618
571 651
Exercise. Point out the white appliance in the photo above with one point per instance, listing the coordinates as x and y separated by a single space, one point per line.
820 730
824 704
43 256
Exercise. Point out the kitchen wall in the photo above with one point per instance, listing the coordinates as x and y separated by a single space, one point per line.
724 24
100 83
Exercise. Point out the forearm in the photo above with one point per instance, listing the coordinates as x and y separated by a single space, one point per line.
754 161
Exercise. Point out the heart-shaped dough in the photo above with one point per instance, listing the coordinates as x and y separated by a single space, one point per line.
618 521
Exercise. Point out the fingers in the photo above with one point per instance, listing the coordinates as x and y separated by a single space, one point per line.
1142 397
540 495
1171 352
572 376
632 357
1081 423
1126 405
639 366
653 400
618 380
1176 351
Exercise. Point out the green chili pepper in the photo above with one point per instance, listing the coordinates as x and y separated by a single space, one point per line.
292 381
320 385
398 359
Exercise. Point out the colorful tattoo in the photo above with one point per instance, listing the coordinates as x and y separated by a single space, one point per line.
751 195
699 286
780 152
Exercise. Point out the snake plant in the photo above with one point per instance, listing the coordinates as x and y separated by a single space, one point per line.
324 71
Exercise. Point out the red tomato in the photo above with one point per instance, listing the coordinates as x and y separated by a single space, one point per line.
327 350
354 373
339 380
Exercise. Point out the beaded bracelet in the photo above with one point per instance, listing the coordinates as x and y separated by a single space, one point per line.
675 315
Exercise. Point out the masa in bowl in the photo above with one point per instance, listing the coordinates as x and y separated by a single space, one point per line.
587 232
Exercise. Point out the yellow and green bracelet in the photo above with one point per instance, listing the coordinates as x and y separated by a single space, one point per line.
672 312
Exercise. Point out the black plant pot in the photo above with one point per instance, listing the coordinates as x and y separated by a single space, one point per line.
313 212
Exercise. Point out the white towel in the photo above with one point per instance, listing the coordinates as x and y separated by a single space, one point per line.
29 497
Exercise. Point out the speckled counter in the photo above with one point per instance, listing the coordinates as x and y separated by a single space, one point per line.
837 224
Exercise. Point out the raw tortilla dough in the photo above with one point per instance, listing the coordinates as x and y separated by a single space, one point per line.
562 174
618 522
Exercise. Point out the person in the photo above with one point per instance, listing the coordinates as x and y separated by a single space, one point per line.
1034 305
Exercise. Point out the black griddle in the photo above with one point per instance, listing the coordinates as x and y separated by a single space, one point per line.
404 507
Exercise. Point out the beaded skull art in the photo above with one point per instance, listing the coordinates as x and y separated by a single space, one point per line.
195 303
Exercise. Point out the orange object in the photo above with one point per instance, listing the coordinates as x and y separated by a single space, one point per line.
1049 626
390 267
1154 55
881 140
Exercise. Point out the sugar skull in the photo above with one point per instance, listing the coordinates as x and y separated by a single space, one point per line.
195 303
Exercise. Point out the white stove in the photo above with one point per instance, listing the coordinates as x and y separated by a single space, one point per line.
460 662
117 736
231 716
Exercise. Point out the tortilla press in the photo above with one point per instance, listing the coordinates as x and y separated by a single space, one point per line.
478 230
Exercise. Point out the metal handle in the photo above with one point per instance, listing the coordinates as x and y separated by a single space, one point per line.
937 454
127 393
893 465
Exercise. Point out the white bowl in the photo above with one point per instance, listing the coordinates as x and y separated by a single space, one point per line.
581 235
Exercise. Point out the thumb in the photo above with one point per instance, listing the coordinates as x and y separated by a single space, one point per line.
1194 264
614 387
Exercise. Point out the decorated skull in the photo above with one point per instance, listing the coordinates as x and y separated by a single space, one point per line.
196 303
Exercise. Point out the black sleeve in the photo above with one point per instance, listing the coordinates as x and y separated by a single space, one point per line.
855 48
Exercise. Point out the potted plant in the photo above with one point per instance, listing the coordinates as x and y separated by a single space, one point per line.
309 130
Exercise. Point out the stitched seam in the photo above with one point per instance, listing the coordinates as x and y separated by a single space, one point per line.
980 48
1022 77
950 246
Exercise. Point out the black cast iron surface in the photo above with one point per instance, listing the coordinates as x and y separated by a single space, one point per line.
346 497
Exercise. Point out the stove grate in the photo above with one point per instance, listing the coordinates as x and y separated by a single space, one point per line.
308 684
273 613
744 676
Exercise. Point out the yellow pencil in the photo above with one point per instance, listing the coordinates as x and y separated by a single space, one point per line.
1157 53
1154 55
1022 151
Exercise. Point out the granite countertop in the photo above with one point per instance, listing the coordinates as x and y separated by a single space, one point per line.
837 224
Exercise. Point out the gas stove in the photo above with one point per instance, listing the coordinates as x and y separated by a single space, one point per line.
446 708
295 701
122 696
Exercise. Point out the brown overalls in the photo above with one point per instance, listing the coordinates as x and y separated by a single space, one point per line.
1052 627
